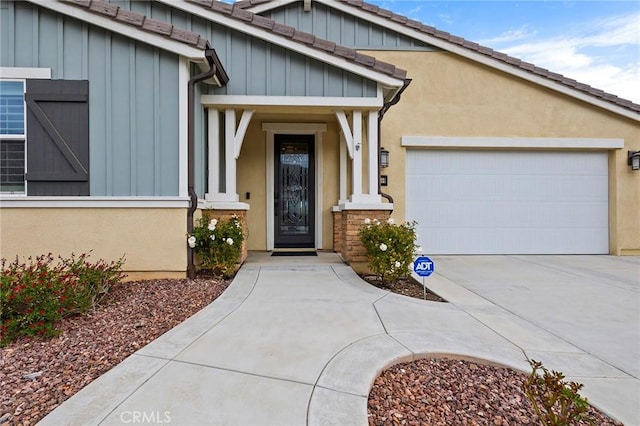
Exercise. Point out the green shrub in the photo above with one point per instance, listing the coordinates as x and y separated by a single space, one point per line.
218 244
36 295
390 248
556 402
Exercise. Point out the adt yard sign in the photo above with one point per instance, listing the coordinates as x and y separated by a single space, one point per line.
423 266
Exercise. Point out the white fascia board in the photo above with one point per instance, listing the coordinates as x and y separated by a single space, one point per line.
298 101
251 30
20 73
263 7
480 58
94 202
193 53
512 143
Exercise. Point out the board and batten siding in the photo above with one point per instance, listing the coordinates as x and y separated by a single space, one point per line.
343 29
259 68
133 95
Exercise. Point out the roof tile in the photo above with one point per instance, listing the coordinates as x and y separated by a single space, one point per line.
185 36
205 3
325 45
365 59
412 23
384 67
399 18
240 13
284 30
104 8
399 73
222 7
129 17
156 26
515 62
470 45
303 37
456 39
384 13
427 29
345 52
243 4
263 22
142 23
370 7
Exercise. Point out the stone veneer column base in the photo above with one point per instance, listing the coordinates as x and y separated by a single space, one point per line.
352 250
337 230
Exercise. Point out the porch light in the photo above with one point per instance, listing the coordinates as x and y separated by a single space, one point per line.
384 158
634 160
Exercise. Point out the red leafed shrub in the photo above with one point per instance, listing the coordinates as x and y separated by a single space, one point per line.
35 295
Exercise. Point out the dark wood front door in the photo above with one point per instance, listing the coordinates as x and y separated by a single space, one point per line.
294 191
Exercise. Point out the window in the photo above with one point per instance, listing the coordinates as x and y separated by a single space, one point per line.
44 136
12 136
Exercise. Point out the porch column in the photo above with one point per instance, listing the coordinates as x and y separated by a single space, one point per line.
214 154
353 142
356 165
343 169
372 139
229 154
233 139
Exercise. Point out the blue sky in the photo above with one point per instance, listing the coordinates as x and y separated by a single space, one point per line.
594 42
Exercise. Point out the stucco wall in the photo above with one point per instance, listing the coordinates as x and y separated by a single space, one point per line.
152 240
451 96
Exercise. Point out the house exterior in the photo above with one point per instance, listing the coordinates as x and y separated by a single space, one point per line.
487 153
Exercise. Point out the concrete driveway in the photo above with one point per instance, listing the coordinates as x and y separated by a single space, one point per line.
577 314
300 340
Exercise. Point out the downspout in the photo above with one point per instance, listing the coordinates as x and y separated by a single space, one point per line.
385 108
209 55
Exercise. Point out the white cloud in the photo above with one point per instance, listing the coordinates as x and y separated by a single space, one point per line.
509 36
446 18
594 54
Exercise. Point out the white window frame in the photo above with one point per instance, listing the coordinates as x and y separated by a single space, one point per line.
22 74
18 137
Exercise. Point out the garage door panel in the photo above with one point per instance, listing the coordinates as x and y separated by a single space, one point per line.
508 215
507 162
476 187
486 241
486 202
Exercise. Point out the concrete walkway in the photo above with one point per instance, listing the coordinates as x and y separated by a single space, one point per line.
299 340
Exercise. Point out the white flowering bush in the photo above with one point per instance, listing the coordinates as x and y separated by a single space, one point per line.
217 244
390 248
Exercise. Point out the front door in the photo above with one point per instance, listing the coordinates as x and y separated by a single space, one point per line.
294 191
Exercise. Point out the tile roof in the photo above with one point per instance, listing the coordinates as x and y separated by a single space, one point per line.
237 11
475 47
141 22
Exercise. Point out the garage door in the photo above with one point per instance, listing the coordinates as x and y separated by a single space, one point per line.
509 202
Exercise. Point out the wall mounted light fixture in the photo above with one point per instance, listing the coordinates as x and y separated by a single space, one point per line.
384 158
634 160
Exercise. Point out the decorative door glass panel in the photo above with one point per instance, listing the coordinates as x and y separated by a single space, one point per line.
294 195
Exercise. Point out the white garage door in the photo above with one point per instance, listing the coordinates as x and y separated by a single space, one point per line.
509 202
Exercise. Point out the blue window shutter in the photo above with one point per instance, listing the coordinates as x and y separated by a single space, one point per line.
57 137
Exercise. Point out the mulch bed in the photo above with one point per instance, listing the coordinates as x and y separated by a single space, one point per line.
449 391
37 375
455 392
405 286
